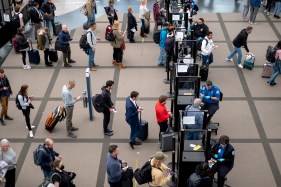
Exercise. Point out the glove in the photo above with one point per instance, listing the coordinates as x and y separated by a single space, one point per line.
202 97
221 159
207 97
215 156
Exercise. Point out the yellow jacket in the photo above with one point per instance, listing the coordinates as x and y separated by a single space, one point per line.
158 177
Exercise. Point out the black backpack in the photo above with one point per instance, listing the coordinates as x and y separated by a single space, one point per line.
270 54
143 174
156 36
36 154
199 43
16 20
83 43
18 102
96 103
110 36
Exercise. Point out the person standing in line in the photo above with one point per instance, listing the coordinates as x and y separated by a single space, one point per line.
158 169
69 102
245 10
132 117
49 8
23 46
268 7
132 25
8 155
162 59
92 41
5 93
25 103
276 66
44 40
107 105
156 13
111 12
46 157
114 168
207 49
142 12
91 11
240 41
277 9
117 50
254 9
18 19
64 40
162 114
36 18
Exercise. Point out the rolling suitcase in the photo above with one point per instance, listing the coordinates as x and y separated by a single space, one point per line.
204 72
143 132
249 62
166 140
33 55
54 117
267 70
53 55
127 178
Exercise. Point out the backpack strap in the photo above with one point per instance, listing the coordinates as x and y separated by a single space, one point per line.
91 35
55 173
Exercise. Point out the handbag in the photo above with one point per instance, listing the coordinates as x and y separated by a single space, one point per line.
48 17
60 47
123 45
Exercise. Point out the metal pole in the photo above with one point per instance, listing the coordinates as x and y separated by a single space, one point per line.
88 83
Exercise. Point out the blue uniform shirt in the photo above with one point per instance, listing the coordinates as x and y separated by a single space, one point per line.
213 92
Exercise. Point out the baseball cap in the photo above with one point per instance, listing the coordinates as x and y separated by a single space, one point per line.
160 156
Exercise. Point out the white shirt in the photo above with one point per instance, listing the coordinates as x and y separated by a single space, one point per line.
205 49
135 103
92 38
143 10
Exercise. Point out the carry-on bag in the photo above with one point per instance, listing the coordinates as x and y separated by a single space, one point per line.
204 72
58 27
143 131
33 55
53 55
267 70
249 62
166 139
54 117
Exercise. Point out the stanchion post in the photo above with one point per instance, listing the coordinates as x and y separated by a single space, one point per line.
88 83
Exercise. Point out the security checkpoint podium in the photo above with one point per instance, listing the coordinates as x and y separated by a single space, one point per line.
191 152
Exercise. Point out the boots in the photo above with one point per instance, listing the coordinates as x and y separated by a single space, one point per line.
142 33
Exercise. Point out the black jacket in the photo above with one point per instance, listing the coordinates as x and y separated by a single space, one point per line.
228 155
48 8
206 180
241 40
200 30
46 160
34 16
106 102
21 42
132 23
4 82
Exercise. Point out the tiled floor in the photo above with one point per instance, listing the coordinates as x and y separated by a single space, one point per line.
249 114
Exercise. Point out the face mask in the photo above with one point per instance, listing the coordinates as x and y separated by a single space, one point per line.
62 167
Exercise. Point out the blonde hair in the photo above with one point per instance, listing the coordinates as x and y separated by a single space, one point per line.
89 7
116 24
143 2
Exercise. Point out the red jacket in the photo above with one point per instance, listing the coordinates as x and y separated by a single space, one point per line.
161 112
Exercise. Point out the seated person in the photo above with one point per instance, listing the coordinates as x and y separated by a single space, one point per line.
60 177
210 95
224 153
194 110
200 29
201 177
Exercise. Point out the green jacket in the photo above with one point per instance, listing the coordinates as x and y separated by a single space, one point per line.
118 39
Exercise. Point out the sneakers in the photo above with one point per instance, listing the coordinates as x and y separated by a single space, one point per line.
267 13
74 129
229 59
26 67
8 117
108 134
30 134
252 23
71 61
71 135
2 122
240 66
32 127
67 65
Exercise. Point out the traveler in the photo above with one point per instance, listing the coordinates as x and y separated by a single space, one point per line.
44 41
207 48
276 65
131 26
36 18
60 177
143 10
91 11
92 41
162 59
116 44
48 8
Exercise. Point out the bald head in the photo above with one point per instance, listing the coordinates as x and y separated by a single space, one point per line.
197 102
48 141
64 28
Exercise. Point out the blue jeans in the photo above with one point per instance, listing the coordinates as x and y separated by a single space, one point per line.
193 135
245 11
253 13
53 25
92 18
91 57
142 23
239 52
275 73
134 131
277 9
207 58
162 57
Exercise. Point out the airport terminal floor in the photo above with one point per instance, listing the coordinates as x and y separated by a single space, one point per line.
249 113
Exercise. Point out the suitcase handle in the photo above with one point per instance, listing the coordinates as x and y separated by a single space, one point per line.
30 44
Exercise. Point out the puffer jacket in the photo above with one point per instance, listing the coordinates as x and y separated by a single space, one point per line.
41 40
118 39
